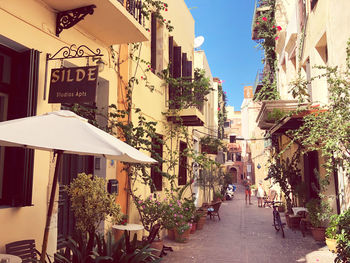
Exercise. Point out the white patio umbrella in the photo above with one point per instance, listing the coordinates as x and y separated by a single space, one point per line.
65 132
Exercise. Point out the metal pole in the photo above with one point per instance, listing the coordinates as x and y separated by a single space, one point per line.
49 212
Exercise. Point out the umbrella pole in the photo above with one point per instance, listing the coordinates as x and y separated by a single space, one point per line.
52 199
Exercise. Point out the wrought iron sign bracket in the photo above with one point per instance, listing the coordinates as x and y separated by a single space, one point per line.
69 18
71 52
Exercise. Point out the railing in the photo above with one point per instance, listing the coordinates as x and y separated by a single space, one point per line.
134 7
258 80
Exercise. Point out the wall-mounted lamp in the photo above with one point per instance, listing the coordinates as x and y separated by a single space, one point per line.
100 63
258 166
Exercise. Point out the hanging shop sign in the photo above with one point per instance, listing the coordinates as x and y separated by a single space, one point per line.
73 85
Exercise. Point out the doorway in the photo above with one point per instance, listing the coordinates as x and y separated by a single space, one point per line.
233 172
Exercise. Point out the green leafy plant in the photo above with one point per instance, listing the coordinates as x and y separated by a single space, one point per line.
332 229
267 34
105 250
218 195
151 211
286 173
343 238
275 115
91 204
319 212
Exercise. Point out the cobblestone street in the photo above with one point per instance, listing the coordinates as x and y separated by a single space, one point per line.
245 234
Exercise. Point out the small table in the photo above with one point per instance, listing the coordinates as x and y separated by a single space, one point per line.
127 228
11 258
298 209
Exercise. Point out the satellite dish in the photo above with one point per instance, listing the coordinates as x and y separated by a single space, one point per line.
198 41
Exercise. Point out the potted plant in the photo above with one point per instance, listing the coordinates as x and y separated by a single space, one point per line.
195 220
218 196
343 238
202 213
319 214
331 233
91 204
182 231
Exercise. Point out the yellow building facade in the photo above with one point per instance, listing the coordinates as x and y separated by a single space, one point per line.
152 95
312 33
29 36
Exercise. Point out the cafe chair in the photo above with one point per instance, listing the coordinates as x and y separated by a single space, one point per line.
213 210
25 249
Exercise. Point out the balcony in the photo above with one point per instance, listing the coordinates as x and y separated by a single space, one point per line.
272 112
112 22
260 8
187 117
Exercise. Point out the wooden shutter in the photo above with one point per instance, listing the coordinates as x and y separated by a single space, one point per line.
33 76
182 179
19 163
175 91
153 42
184 65
177 62
156 170
171 56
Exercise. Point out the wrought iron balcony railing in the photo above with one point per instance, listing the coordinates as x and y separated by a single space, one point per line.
134 7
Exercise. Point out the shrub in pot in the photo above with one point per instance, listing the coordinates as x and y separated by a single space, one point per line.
343 238
331 233
319 214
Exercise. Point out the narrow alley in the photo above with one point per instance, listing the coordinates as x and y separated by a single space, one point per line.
245 234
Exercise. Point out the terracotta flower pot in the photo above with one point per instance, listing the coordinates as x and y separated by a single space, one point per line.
182 237
332 244
171 234
318 233
118 234
157 244
193 228
294 221
287 219
201 222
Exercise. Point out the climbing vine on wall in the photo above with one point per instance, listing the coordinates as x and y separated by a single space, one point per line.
267 34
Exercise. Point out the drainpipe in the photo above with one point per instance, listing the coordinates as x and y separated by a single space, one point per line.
336 185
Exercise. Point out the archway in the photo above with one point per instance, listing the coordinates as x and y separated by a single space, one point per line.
233 172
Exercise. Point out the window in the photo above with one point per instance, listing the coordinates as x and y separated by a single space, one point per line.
238 157
18 94
179 67
182 164
313 3
156 170
226 124
307 70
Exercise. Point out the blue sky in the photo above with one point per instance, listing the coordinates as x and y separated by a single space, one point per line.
232 56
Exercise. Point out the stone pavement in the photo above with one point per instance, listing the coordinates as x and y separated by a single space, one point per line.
245 235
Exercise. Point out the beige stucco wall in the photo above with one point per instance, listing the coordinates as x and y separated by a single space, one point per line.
327 25
32 24
154 102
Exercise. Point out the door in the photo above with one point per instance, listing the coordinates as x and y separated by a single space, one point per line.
311 168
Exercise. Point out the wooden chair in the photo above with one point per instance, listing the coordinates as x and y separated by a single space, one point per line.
215 210
270 198
25 249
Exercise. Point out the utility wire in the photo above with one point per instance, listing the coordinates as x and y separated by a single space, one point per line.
237 139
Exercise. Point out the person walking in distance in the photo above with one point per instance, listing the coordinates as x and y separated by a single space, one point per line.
260 194
247 183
